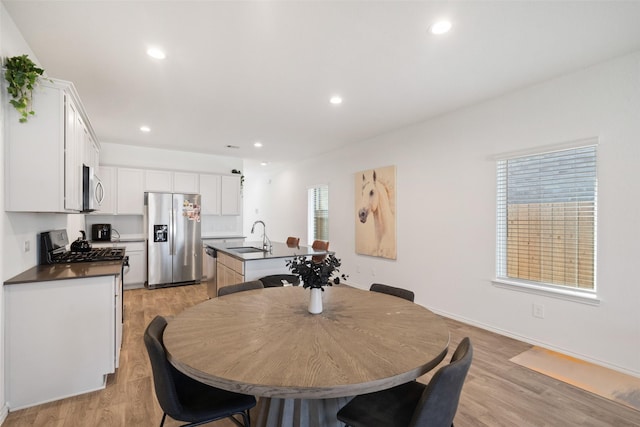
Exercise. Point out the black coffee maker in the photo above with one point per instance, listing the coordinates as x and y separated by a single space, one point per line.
101 232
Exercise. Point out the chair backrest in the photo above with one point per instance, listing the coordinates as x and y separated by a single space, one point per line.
293 241
239 287
392 290
275 280
439 401
163 372
321 245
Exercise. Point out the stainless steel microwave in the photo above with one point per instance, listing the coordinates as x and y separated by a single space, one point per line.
92 190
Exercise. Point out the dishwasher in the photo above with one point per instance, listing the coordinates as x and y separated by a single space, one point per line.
211 262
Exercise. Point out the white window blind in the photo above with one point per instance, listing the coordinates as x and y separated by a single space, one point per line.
546 218
318 223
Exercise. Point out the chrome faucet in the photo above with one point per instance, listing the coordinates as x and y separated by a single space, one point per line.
265 239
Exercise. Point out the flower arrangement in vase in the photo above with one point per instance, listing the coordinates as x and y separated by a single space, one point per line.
316 275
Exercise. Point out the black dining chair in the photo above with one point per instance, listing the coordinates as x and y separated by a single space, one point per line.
276 280
239 287
392 290
184 398
414 404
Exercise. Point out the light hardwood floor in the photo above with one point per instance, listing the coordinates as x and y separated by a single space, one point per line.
496 393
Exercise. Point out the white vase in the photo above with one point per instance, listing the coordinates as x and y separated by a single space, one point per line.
315 301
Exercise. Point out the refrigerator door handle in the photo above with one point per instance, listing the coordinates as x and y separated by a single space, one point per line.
172 250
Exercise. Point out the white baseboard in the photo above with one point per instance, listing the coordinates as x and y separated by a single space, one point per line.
537 343
4 413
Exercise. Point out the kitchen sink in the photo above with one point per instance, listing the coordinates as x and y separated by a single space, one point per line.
246 249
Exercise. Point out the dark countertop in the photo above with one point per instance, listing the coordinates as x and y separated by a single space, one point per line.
222 237
279 250
113 242
79 270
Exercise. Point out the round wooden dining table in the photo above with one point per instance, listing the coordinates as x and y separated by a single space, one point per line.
303 367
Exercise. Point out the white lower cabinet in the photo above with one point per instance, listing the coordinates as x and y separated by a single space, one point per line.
62 338
136 273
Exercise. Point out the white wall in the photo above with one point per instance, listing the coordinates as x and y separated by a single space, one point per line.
446 209
155 158
14 229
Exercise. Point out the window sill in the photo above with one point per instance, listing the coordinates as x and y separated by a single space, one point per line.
574 295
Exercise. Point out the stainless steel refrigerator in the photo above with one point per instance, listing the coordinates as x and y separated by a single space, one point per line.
174 243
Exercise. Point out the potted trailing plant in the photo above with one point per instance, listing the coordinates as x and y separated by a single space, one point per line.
23 75
316 275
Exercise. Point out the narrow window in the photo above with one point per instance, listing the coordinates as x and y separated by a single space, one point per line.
546 218
318 219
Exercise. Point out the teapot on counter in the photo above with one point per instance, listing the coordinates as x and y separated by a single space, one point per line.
81 244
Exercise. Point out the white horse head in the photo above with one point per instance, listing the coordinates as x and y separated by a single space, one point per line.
370 197
376 203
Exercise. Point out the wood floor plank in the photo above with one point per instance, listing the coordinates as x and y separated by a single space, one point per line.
497 392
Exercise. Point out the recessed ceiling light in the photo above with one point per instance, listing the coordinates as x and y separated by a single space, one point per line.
257 144
336 100
440 27
154 52
264 163
145 129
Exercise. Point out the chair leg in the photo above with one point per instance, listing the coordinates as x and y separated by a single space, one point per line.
164 416
246 422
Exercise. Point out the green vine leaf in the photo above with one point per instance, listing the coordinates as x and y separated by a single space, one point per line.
23 76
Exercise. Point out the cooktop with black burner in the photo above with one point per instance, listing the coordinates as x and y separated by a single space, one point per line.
53 250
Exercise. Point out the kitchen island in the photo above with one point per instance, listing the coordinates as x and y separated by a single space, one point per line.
238 263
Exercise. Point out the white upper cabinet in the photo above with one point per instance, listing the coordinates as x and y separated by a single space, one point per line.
73 156
158 181
44 156
125 188
210 192
91 152
107 175
230 195
185 182
164 181
130 191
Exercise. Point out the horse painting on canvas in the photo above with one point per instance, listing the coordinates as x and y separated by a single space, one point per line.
375 210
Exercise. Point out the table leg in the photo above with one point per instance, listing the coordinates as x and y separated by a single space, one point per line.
272 412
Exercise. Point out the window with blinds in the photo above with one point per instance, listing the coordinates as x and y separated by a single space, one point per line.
318 222
546 218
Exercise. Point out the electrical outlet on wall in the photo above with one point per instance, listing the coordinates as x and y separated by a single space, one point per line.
538 311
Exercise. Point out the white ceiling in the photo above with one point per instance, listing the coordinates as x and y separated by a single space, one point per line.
237 72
